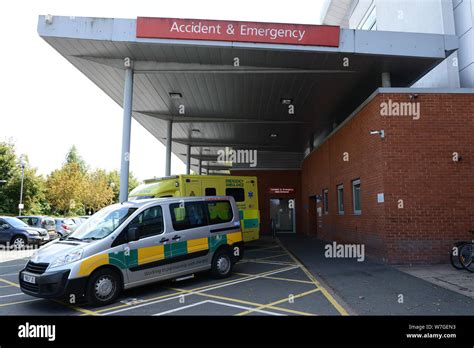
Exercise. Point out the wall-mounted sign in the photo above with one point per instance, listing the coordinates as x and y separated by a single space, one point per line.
281 190
213 30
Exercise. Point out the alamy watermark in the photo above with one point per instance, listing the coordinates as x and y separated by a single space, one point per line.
228 154
406 109
345 251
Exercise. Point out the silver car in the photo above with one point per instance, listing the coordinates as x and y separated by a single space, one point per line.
135 243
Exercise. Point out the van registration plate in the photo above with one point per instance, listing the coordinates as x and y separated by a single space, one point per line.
29 279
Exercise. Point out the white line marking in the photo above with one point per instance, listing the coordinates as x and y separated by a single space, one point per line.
218 303
20 293
22 264
9 274
204 290
180 308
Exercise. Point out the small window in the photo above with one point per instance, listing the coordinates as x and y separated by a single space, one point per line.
219 212
326 201
356 196
237 193
340 199
210 191
149 222
188 215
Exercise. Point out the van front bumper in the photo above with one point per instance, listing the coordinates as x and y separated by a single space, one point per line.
52 285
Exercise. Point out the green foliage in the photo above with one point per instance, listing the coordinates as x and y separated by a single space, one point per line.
70 190
34 198
114 180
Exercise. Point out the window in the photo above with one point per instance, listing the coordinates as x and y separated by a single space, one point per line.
210 191
219 212
340 199
237 193
326 201
356 196
188 215
149 222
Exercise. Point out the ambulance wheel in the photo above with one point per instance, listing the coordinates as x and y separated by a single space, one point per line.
221 264
103 287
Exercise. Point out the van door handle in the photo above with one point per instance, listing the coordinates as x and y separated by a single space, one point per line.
164 240
176 237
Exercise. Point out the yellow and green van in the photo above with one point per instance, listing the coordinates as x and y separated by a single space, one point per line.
243 188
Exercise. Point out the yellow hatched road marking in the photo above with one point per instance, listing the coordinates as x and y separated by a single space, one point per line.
141 302
231 299
279 278
272 304
326 293
181 291
9 282
18 302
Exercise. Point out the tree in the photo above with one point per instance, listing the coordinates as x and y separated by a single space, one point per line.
8 169
64 187
33 184
114 180
96 191
73 156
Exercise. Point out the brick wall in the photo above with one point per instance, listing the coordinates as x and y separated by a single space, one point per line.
413 163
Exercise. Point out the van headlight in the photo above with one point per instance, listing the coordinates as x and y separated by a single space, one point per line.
68 258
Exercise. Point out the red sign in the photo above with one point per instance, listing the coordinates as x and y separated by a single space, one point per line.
196 29
281 190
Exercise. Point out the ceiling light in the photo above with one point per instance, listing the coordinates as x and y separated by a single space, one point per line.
175 95
273 135
286 101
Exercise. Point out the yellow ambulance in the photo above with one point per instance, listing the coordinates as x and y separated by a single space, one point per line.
242 188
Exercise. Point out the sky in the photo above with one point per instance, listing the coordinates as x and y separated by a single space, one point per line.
47 105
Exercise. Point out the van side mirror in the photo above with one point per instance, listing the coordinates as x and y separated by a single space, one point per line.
133 233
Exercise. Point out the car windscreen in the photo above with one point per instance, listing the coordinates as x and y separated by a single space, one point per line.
17 223
102 223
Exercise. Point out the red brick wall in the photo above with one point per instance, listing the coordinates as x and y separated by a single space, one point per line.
325 168
413 163
275 178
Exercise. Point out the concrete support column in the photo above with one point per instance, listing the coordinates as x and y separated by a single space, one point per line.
200 167
126 130
386 79
169 134
188 159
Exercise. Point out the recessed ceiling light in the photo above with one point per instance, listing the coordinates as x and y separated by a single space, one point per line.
273 135
175 95
286 101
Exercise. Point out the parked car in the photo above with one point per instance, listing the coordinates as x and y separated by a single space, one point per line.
38 221
78 220
64 226
19 234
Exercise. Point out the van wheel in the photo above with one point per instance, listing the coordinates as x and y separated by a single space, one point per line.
103 288
18 242
221 264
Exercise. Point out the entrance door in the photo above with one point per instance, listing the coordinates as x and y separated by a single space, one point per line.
282 214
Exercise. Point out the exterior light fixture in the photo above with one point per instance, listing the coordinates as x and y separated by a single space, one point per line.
175 95
379 132
286 101
196 130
